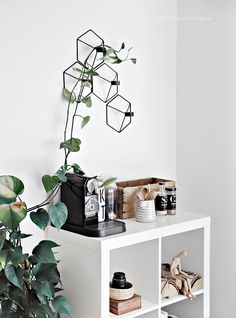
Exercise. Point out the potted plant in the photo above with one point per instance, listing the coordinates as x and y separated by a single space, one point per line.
28 283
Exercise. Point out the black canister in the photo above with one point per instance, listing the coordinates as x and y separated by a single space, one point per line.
118 280
171 200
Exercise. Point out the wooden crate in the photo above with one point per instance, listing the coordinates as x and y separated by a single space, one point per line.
120 307
126 199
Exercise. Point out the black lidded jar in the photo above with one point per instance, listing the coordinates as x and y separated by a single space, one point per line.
119 280
171 200
161 200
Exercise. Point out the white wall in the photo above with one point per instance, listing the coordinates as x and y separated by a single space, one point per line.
206 149
38 43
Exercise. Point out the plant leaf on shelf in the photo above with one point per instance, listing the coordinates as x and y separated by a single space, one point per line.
85 121
40 218
58 214
77 169
107 182
61 173
69 96
12 214
72 144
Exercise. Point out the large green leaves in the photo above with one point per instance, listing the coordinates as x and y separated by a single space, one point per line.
43 288
12 214
40 218
10 188
58 214
14 275
72 144
49 182
43 253
62 306
47 271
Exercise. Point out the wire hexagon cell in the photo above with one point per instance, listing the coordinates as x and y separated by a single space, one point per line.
105 84
118 113
82 87
89 49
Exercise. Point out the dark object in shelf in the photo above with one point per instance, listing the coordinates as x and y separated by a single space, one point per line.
120 307
86 216
119 280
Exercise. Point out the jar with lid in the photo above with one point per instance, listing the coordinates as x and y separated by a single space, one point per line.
171 200
161 200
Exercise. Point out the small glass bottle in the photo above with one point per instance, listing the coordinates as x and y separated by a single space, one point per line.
110 201
171 200
161 200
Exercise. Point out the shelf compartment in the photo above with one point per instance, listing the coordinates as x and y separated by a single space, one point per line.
168 302
140 263
147 307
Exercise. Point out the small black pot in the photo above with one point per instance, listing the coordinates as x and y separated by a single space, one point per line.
119 280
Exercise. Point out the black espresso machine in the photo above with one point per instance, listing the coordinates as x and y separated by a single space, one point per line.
85 202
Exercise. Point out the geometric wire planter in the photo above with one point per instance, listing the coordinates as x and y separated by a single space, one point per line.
118 113
105 85
90 48
90 43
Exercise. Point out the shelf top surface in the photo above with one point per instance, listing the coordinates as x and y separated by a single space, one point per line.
137 232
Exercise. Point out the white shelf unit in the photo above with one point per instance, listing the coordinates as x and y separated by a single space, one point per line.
87 265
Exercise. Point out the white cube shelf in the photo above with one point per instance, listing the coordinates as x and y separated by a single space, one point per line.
87 265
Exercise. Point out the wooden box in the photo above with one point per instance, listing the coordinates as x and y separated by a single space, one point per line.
120 307
126 199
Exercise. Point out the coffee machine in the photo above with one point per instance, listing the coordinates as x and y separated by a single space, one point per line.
85 202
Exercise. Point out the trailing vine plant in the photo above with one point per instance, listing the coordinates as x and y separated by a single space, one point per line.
29 283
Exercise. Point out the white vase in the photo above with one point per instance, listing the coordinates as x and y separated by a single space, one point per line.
145 211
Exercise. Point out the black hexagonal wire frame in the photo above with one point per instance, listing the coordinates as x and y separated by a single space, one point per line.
127 113
114 82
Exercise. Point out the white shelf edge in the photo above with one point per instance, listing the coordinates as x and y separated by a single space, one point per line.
167 302
147 306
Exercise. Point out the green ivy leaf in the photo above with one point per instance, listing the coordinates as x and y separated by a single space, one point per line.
133 60
3 233
69 96
91 73
62 306
72 144
18 235
49 182
49 244
12 214
107 182
87 84
10 188
42 287
61 175
117 61
43 254
3 258
14 275
87 101
47 271
16 256
85 121
77 169
40 218
58 214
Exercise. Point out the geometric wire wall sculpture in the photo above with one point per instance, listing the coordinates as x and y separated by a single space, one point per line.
99 79
118 113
